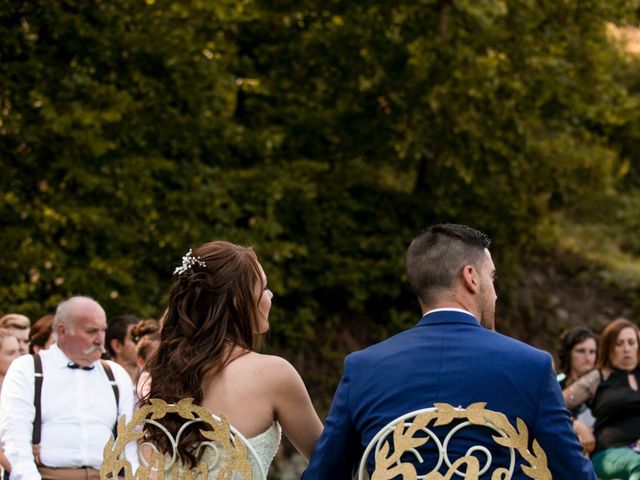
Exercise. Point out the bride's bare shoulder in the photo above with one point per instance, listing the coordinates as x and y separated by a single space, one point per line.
267 362
271 368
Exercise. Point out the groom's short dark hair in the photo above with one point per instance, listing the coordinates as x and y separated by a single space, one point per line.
437 255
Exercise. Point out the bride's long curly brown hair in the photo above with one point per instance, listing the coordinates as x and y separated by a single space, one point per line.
212 307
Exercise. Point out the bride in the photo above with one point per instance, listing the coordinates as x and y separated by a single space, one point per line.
218 312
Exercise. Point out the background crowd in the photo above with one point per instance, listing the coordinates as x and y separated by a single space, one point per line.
598 375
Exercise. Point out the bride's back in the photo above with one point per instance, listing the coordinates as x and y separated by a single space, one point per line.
243 391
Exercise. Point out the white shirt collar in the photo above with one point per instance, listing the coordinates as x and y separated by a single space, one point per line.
450 309
59 357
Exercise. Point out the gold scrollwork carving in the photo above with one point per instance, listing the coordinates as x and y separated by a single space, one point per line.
160 466
388 463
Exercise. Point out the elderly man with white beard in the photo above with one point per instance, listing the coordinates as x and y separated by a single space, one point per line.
59 407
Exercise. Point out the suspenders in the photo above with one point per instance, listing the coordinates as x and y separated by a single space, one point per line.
37 421
116 393
114 386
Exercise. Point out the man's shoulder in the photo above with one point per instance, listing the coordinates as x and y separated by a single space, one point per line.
23 363
115 366
489 341
118 370
380 349
51 355
517 347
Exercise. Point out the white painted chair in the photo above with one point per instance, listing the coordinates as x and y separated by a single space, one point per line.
226 451
402 438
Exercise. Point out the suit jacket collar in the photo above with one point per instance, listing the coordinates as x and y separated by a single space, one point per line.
448 316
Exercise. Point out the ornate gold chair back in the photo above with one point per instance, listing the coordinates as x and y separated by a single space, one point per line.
395 447
226 452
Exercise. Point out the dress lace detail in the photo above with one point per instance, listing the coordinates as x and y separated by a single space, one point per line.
266 445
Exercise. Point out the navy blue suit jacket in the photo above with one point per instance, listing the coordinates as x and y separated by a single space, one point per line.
447 357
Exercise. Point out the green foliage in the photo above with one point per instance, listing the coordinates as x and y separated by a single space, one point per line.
113 127
324 133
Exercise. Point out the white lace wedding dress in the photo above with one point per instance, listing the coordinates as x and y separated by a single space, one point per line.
266 446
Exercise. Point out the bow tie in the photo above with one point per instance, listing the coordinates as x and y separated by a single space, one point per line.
74 366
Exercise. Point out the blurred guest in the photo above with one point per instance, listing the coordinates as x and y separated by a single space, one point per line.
55 425
41 335
612 392
19 326
9 351
577 356
146 335
120 344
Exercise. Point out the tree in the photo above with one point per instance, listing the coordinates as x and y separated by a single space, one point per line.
326 134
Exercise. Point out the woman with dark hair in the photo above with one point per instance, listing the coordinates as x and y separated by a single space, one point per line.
577 356
217 314
613 396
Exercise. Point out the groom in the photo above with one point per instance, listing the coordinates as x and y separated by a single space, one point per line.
448 357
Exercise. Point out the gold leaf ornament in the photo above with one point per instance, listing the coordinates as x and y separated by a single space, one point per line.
389 451
221 438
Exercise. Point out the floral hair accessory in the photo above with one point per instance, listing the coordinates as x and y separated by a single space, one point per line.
188 261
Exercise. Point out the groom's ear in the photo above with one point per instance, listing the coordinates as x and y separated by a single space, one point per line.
470 279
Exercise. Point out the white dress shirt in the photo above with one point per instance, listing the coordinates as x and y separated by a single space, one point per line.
78 413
